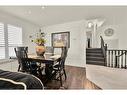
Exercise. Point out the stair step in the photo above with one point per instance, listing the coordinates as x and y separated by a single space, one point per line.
92 61
94 58
95 62
93 48
94 54
93 51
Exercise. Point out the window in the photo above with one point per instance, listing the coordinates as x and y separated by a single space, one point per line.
14 38
10 37
2 41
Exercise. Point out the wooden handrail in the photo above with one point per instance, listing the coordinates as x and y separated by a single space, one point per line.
116 50
104 48
118 56
102 42
121 54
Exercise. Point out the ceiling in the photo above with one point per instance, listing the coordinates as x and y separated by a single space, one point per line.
50 15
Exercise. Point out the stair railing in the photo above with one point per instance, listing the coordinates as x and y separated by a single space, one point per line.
121 60
104 49
116 58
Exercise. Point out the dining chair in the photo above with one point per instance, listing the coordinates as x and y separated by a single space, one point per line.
59 67
49 49
26 66
31 68
21 52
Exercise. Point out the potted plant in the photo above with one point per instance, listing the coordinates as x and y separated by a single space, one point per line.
40 41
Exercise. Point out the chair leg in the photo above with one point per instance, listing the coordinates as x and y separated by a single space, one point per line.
18 68
65 74
60 78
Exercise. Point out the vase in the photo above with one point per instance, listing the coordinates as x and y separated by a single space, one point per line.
40 50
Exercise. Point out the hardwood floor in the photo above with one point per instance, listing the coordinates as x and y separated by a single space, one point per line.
90 85
76 79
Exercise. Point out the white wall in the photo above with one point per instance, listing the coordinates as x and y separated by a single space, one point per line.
122 35
76 53
112 41
28 28
119 38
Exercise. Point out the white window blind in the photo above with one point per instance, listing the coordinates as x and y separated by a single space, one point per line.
2 41
14 38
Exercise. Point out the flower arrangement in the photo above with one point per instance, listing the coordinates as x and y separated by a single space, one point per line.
39 38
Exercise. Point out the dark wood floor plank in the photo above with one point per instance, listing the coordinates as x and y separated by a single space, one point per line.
76 79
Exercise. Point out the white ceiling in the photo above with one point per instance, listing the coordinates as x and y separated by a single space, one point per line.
59 14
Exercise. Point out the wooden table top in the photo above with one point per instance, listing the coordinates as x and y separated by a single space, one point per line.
48 57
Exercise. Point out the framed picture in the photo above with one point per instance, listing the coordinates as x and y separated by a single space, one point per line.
61 39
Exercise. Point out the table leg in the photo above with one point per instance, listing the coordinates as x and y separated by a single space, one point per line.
48 70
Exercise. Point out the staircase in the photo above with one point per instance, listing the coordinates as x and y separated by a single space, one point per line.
114 58
94 56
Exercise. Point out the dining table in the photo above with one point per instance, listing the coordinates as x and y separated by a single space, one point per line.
47 60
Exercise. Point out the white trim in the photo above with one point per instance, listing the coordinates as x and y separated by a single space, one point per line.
14 82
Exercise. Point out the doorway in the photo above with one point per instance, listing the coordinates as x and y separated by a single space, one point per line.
89 34
89 39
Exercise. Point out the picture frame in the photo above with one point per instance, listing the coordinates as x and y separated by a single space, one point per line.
60 39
